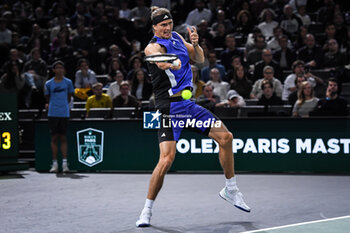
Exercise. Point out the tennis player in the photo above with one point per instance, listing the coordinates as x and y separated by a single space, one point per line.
169 80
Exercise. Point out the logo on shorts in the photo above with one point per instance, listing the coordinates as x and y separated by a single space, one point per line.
90 146
151 120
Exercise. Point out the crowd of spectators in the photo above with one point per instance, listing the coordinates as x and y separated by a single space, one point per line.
254 49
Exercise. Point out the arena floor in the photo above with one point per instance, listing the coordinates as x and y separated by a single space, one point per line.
111 202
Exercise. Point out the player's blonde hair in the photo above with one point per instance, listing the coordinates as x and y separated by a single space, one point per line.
158 11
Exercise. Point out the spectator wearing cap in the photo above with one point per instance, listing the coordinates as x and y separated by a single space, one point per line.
98 99
268 96
125 99
84 77
257 91
233 100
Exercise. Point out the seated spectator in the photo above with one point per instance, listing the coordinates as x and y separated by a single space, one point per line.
115 65
219 36
205 75
267 61
197 15
268 96
334 58
268 24
196 82
203 32
142 12
303 16
290 23
12 81
221 19
273 43
98 99
114 88
115 54
82 43
293 96
220 87
251 40
124 12
208 100
230 51
244 24
284 56
301 38
306 101
36 75
333 104
135 64
5 33
124 99
233 100
298 67
255 54
141 88
84 77
311 54
257 91
329 34
240 82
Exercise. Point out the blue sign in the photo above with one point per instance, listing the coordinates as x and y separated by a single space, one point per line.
151 120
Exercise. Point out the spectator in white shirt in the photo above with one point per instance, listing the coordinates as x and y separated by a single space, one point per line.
197 15
220 87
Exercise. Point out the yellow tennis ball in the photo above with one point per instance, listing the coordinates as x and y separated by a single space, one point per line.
186 94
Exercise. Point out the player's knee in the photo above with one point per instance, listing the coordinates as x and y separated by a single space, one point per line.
226 139
166 161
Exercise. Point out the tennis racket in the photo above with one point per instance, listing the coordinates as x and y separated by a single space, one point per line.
165 57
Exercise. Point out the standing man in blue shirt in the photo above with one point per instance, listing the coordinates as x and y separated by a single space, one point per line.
58 92
168 81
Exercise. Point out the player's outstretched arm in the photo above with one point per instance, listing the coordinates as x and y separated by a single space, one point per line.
155 48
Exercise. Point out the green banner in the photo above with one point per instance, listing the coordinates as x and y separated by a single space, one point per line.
263 145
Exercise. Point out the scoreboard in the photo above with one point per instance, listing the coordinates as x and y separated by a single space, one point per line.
8 128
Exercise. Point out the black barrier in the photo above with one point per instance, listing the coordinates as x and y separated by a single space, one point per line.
264 145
